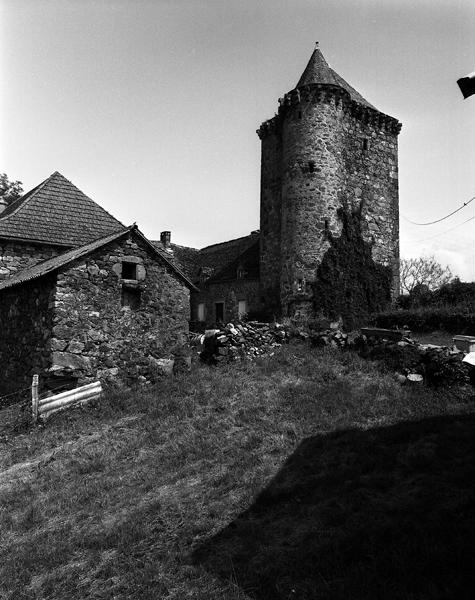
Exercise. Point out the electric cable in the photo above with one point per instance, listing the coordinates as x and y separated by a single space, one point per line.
443 218
442 232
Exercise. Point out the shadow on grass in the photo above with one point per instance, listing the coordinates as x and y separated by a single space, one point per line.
382 513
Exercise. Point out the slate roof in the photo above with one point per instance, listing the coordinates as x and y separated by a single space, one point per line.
56 212
52 264
215 260
220 255
318 71
185 258
247 260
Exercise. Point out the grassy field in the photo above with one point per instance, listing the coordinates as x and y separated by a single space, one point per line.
309 474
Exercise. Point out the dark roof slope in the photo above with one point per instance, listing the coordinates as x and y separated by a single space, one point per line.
318 71
247 260
220 255
52 264
56 212
212 259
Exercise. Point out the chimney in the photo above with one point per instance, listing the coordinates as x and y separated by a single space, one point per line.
3 205
165 239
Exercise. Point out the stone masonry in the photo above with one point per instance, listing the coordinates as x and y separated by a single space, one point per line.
94 333
15 256
26 315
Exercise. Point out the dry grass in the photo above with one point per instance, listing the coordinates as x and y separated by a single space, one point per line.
121 500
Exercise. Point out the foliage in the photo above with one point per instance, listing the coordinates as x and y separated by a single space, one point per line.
113 500
9 190
418 275
455 293
349 283
454 319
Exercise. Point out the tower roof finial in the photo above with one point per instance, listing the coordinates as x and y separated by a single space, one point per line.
319 72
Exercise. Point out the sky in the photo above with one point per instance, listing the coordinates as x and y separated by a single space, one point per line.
151 107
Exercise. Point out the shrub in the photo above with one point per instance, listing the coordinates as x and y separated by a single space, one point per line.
453 319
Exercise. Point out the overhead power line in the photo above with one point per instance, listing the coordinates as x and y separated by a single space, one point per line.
442 232
443 218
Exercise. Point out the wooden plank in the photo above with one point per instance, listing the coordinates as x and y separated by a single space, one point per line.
34 398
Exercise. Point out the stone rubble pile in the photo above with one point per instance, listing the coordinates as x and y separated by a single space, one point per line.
410 361
243 340
415 362
334 338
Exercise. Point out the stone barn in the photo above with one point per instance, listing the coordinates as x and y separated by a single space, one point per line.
115 306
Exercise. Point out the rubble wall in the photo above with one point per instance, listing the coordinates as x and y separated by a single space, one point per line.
95 335
270 218
26 318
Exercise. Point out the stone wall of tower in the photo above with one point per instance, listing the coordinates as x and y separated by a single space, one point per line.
313 177
334 155
270 218
371 157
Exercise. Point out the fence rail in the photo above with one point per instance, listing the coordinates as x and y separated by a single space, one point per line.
46 406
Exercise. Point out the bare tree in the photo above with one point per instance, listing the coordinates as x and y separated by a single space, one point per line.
9 190
423 271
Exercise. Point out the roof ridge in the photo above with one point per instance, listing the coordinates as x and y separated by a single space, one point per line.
242 237
57 211
56 173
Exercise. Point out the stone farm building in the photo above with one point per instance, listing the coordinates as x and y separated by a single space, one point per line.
81 295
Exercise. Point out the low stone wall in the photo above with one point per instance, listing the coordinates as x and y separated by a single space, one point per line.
438 365
243 340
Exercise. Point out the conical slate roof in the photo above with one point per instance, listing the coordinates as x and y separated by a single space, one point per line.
318 71
56 212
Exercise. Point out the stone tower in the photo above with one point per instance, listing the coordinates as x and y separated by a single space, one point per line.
327 153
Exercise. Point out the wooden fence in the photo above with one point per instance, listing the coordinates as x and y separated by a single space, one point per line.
44 407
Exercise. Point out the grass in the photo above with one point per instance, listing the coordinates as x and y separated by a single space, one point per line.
255 480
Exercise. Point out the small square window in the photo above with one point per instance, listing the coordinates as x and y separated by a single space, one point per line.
129 270
365 144
201 311
131 298
311 166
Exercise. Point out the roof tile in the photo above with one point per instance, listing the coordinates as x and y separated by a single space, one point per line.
57 212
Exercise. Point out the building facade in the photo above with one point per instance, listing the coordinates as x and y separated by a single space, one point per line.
83 297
